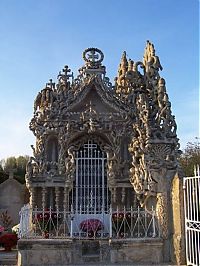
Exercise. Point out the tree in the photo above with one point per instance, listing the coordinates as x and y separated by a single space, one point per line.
190 157
9 163
18 164
21 163
3 176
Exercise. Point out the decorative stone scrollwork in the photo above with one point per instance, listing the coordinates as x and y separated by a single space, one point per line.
137 107
93 56
151 62
70 166
45 98
130 124
162 213
90 120
112 171
29 168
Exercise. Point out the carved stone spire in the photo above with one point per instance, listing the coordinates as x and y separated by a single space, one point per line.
151 62
120 79
154 144
123 67
130 65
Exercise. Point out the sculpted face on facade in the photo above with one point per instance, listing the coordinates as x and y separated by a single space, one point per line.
131 121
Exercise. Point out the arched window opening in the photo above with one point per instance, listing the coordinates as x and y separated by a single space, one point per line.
52 149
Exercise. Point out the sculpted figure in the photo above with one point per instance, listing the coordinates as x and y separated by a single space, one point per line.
37 102
161 93
112 169
29 168
155 59
151 62
70 164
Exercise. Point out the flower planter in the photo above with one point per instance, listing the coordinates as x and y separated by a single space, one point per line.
8 241
91 226
7 248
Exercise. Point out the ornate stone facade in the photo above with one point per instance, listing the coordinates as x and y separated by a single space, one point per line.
130 121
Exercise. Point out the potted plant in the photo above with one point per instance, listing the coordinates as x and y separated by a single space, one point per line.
6 221
1 229
8 239
91 226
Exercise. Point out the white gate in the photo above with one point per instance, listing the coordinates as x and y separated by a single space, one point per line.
192 218
90 194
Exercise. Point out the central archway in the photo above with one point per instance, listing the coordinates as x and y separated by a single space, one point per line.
90 189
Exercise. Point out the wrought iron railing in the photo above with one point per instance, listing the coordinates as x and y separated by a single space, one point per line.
116 223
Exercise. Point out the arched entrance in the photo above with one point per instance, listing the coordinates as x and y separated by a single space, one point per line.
90 194
90 190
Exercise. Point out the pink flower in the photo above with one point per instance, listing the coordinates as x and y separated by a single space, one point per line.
91 225
9 240
1 229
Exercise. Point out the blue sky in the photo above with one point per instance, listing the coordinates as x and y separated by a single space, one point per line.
39 37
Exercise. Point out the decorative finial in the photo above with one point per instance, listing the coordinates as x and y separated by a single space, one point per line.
50 84
151 61
93 56
123 65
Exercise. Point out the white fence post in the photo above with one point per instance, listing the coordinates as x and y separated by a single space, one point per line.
191 187
25 221
110 223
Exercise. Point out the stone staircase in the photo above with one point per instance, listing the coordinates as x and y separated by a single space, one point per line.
8 258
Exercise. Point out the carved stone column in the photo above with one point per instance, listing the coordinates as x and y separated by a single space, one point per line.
162 214
65 198
123 194
32 196
44 191
113 194
178 220
57 197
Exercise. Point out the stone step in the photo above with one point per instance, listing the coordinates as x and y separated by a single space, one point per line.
117 264
122 264
91 259
8 258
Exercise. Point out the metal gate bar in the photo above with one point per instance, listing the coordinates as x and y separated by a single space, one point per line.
192 218
91 190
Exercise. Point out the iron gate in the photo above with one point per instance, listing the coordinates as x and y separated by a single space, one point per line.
91 194
192 217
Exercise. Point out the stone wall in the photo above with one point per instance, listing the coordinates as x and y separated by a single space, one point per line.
137 251
178 220
44 252
67 251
